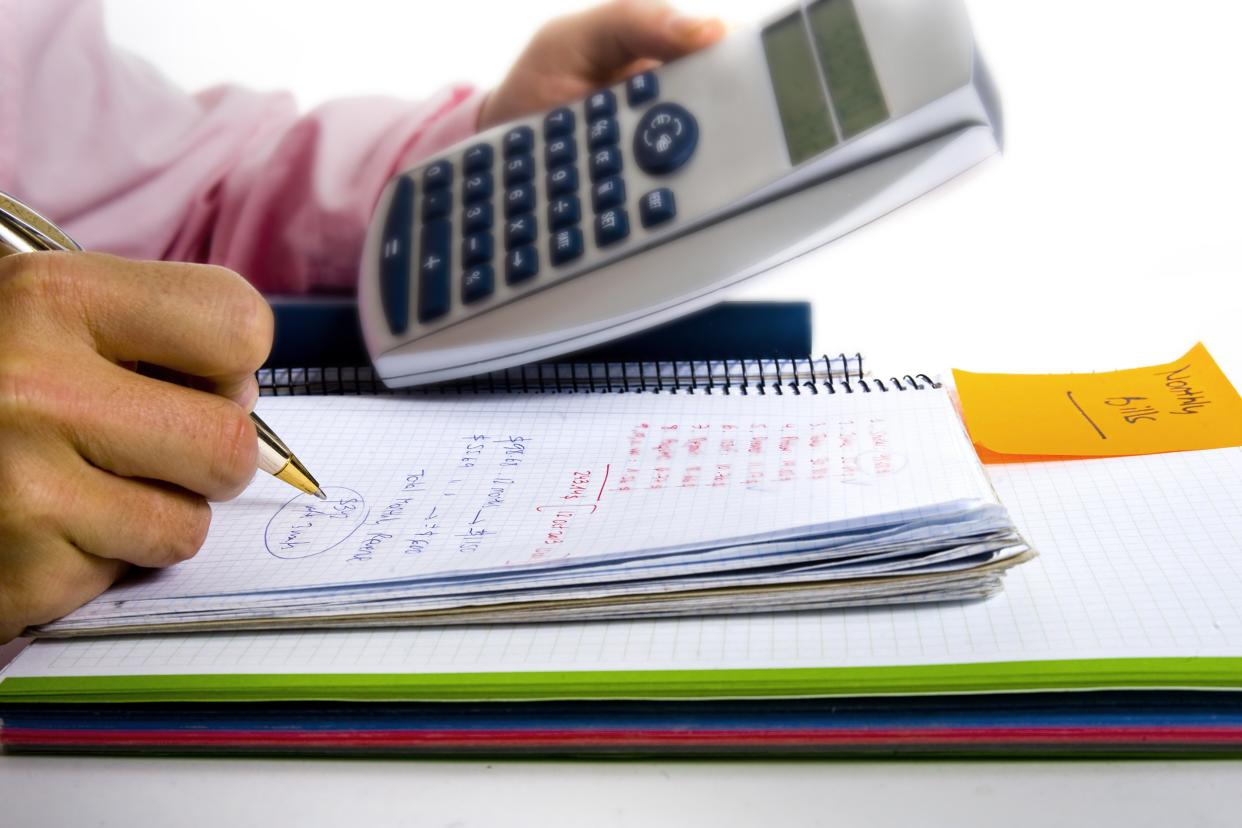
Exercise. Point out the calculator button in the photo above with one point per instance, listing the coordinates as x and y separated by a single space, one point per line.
601 104
437 204
605 162
560 151
602 132
562 181
395 256
657 207
476 217
477 283
438 175
611 226
476 249
433 270
521 264
608 193
519 169
558 122
519 199
665 138
565 245
563 212
641 88
478 158
519 141
520 231
477 187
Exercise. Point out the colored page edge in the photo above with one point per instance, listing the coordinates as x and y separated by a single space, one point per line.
1005 676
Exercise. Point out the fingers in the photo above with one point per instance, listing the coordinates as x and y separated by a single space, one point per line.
141 522
611 37
139 427
45 578
197 319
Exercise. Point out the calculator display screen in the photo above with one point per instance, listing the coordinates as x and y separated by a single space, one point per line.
856 95
799 90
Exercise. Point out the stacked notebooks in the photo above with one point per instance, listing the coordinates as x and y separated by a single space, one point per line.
708 558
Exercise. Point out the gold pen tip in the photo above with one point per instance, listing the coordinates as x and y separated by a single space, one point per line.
319 494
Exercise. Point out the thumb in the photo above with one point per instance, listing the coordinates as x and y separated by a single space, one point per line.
613 36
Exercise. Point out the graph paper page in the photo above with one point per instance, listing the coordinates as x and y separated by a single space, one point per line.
1140 557
443 487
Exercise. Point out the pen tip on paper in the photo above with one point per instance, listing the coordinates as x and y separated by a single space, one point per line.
319 494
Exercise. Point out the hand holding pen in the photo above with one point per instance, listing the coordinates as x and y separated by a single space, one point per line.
101 466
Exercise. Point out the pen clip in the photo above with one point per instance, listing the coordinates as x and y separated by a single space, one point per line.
24 230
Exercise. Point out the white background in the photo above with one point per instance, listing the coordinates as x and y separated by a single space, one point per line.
1108 236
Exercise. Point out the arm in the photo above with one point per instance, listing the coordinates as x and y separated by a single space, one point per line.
131 165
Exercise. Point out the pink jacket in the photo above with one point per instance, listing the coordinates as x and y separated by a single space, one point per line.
103 145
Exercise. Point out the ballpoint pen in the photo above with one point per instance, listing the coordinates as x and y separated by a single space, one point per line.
22 230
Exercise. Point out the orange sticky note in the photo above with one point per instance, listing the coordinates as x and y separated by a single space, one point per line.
1184 405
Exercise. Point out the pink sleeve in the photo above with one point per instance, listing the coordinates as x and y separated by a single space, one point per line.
129 164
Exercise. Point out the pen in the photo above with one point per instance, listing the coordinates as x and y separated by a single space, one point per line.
22 230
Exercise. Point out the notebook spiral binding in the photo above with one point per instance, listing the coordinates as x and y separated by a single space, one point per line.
826 375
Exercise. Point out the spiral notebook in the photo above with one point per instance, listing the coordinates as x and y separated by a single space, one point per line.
590 491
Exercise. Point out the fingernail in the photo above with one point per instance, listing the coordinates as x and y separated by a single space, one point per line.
249 395
695 29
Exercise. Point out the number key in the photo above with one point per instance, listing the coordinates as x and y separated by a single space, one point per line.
476 217
518 200
562 181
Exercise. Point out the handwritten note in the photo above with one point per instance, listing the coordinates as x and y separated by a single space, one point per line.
1184 405
438 491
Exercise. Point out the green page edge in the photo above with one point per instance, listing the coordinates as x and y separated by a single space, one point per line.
1002 676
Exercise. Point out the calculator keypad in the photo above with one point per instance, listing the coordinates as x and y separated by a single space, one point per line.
533 174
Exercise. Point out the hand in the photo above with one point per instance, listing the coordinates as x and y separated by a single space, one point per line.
101 467
572 56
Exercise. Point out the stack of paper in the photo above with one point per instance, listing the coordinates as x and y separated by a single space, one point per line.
576 506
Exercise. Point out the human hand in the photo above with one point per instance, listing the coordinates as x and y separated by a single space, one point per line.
574 55
101 467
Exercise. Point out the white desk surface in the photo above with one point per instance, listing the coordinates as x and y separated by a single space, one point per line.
1107 237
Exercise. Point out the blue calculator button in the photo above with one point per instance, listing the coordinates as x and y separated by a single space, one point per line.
477 283
519 141
665 138
608 193
478 158
641 88
519 169
438 175
476 249
520 231
657 207
521 264
565 245
562 181
477 187
558 122
602 132
564 211
395 257
519 199
605 162
437 204
476 217
601 104
560 151
611 226
433 270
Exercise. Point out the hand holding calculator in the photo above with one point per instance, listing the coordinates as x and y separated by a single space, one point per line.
645 200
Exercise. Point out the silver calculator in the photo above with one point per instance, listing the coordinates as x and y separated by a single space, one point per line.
646 200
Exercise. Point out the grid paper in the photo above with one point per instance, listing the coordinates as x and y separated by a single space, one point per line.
1141 557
